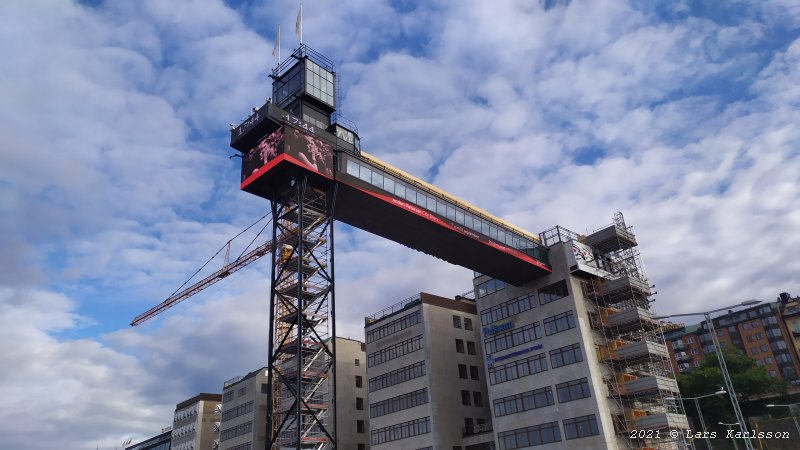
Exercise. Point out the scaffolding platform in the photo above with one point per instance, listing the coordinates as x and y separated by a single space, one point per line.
611 238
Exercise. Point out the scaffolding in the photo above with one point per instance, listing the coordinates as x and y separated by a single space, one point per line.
637 370
301 349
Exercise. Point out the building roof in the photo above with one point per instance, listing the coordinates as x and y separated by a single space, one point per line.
198 398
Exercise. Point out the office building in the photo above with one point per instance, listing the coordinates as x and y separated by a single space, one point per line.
426 384
244 403
244 412
574 359
158 442
352 417
196 422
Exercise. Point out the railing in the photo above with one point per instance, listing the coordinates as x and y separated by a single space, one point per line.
477 429
231 381
388 311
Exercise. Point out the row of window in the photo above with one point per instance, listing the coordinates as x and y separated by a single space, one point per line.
245 446
457 322
403 430
518 369
512 338
238 430
558 323
394 351
573 390
471 349
509 308
538 398
237 411
394 326
574 428
397 376
553 292
476 398
565 356
399 403
438 206
488 287
473 372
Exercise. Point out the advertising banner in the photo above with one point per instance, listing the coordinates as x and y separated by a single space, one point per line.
309 150
265 150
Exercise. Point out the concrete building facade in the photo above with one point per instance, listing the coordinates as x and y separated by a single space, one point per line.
352 418
426 382
244 412
196 422
574 359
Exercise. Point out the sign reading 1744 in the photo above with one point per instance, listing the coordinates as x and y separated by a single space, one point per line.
299 123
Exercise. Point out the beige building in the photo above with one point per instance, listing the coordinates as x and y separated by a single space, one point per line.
352 423
244 412
196 423
424 373
244 407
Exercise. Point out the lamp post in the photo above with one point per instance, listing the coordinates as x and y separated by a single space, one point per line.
700 413
730 426
726 377
791 411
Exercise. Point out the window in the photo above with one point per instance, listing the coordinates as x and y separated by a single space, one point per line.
579 427
573 390
767 360
358 363
359 381
469 426
525 401
399 403
465 398
228 396
394 351
238 430
264 388
782 359
773 373
397 376
456 321
459 346
488 287
754 323
763 348
400 431
359 426
473 373
462 371
471 348
694 351
754 350
394 326
731 329
514 337
477 400
750 338
759 336
778 345
467 324
558 323
242 391
553 292
359 403
564 356
237 411
361 447
746 326
510 308
518 369
529 436
690 340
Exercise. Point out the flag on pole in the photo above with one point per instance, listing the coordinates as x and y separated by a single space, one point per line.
298 24
276 51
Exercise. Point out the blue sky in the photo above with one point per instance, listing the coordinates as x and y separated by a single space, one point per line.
115 181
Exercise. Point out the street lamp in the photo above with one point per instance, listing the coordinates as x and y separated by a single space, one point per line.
791 411
731 425
700 413
726 377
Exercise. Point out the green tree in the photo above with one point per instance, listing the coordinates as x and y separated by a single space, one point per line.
750 381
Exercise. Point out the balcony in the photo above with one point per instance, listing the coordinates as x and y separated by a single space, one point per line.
611 238
662 421
678 345
650 385
682 356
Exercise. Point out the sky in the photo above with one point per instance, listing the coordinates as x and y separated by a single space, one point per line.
116 182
